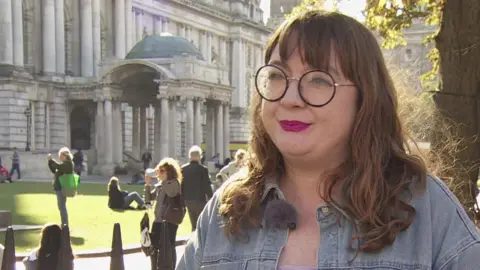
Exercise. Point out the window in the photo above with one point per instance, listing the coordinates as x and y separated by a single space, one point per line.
408 54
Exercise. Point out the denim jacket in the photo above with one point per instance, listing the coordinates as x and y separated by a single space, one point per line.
442 237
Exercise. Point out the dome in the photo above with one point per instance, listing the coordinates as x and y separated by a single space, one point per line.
164 46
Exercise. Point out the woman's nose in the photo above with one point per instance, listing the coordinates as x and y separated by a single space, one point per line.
292 96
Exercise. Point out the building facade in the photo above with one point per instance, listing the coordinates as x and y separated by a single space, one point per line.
117 77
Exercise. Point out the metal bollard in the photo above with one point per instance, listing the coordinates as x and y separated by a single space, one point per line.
65 254
116 256
8 262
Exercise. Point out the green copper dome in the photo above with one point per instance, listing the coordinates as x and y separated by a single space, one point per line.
167 46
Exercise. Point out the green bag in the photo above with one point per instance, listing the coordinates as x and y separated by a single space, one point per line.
69 184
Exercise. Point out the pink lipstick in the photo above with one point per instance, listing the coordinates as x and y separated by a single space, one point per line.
293 126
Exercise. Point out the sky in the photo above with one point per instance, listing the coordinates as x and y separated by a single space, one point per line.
352 8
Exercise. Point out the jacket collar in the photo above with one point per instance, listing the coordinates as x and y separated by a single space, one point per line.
271 188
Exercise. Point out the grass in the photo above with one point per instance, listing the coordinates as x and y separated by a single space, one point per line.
91 221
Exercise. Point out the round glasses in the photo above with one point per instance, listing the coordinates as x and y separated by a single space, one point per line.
316 87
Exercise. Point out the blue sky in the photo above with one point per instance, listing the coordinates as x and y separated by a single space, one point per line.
350 7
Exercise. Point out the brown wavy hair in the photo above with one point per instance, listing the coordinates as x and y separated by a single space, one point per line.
379 170
172 167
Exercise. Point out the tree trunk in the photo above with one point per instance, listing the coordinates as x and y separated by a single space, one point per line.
458 43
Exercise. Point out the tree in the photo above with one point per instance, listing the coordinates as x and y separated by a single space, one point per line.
455 59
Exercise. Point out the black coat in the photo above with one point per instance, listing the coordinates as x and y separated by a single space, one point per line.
196 185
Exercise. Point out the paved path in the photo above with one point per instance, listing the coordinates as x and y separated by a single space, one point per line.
136 261
84 179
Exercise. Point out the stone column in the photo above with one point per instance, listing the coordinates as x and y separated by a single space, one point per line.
198 122
134 27
48 127
157 140
97 38
59 36
6 28
40 125
143 129
128 26
33 126
108 150
136 149
190 126
183 31
173 127
165 25
86 38
139 25
49 40
223 51
117 134
158 25
120 29
188 33
219 131
226 129
18 34
238 74
203 44
209 47
259 61
210 136
164 133
100 132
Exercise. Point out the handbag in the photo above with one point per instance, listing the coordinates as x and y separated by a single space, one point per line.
69 184
175 211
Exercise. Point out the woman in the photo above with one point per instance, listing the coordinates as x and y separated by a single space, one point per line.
59 168
232 167
169 206
45 256
121 199
329 182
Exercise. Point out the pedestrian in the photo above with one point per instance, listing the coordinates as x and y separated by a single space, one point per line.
196 185
169 212
59 168
15 165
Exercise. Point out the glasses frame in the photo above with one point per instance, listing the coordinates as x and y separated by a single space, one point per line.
288 79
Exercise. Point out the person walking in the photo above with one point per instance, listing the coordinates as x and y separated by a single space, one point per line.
169 212
196 188
15 165
59 168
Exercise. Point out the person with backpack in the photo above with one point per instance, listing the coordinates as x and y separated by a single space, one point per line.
58 168
169 212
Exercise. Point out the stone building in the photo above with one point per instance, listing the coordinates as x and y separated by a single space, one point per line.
105 77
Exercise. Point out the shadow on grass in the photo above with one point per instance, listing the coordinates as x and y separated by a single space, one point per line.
77 240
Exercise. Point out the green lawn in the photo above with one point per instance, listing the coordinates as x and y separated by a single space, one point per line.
91 221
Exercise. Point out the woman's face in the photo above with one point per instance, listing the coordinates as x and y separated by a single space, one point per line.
161 174
325 131
61 157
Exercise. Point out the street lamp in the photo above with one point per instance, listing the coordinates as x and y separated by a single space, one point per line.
28 114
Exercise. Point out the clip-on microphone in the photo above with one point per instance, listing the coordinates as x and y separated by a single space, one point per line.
281 215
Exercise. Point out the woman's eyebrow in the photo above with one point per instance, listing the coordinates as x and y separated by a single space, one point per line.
278 63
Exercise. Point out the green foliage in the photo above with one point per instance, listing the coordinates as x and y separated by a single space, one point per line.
390 17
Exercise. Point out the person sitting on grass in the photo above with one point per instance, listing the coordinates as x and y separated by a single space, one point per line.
45 256
121 199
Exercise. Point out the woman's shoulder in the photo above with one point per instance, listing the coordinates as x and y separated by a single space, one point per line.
440 214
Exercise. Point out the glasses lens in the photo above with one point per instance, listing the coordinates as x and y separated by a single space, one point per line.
271 83
317 88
